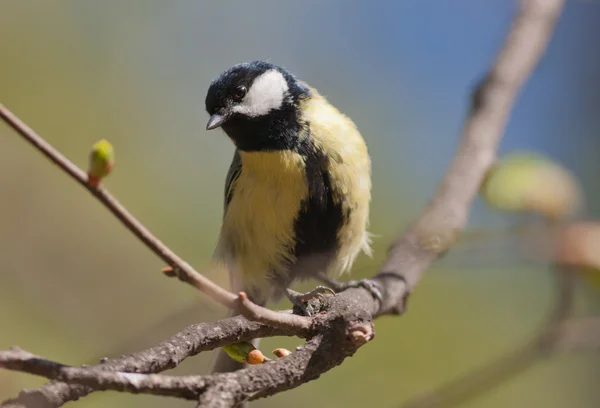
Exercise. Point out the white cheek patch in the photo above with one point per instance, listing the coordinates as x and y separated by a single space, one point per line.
267 92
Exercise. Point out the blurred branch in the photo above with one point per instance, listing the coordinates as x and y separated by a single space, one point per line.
440 223
347 322
556 335
577 334
575 250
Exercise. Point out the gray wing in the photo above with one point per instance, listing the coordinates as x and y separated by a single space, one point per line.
223 251
234 172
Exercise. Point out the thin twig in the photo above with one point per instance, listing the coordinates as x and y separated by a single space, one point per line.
204 284
273 318
179 268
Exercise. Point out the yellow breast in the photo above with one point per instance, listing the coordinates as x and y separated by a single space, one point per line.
259 223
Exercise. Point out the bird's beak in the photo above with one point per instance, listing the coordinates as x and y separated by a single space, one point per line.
215 121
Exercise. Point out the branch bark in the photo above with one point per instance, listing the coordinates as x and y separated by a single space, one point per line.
215 391
166 355
335 335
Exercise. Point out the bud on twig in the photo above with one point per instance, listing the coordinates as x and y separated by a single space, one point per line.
101 162
255 357
281 352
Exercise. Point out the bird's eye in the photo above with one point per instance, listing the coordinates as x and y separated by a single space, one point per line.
239 92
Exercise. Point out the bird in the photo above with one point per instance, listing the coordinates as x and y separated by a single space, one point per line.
298 190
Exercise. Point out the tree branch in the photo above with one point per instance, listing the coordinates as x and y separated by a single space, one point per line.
217 390
184 271
166 355
178 267
183 387
438 227
335 336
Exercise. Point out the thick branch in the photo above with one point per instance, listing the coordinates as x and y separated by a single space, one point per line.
317 356
338 334
168 354
218 390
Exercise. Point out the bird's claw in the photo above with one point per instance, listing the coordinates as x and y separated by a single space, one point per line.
318 292
367 284
300 299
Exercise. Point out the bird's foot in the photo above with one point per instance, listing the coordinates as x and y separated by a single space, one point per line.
301 299
367 284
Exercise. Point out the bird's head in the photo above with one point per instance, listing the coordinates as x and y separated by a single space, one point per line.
256 104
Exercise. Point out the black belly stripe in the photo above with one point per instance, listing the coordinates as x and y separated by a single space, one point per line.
320 217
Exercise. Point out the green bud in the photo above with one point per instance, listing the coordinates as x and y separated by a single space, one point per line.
101 162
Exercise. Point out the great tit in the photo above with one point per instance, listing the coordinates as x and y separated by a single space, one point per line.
298 189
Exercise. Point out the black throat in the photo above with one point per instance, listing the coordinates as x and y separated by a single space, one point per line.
278 130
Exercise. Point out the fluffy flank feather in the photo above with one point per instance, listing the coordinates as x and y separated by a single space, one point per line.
350 172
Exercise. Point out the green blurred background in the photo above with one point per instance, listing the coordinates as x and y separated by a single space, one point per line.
76 286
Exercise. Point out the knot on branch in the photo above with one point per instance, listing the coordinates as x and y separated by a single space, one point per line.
361 333
345 323
437 236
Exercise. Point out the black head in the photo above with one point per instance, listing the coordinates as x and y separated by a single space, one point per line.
256 104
